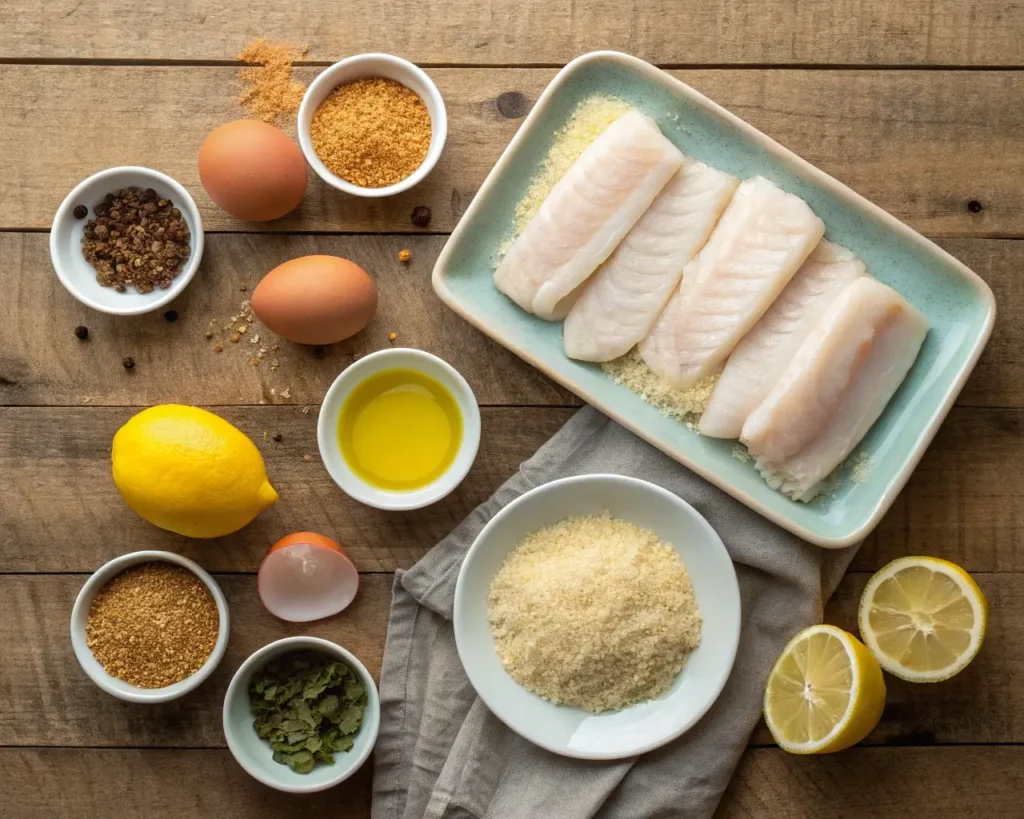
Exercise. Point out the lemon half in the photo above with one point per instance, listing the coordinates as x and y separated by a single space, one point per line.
825 692
923 618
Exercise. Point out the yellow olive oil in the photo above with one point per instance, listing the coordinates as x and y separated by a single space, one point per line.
399 430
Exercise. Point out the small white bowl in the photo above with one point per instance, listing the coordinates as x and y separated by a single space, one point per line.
639 728
79 277
92 667
255 754
393 359
361 67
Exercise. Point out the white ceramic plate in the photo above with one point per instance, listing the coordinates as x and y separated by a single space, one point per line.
640 728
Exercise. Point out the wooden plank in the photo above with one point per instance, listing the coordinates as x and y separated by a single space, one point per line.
62 783
42 363
958 32
964 502
892 135
882 783
50 701
48 454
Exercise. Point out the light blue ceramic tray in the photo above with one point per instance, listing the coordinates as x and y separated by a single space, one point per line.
958 304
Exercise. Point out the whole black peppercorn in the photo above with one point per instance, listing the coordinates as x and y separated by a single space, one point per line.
128 363
421 216
80 211
82 332
276 436
974 206
171 315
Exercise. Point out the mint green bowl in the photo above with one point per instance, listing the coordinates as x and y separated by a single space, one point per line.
958 304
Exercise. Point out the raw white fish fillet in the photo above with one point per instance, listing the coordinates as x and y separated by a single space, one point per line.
835 387
586 215
762 355
761 240
620 302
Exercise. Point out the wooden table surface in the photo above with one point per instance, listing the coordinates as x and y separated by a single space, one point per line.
918 105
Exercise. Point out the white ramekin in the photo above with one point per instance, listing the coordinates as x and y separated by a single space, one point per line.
120 688
361 67
79 277
397 358
255 754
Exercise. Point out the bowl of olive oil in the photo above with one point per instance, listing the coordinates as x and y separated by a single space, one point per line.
399 429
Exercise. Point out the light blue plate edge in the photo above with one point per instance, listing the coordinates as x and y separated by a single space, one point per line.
958 303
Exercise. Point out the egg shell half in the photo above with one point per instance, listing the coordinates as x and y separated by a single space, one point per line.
315 299
306 576
252 170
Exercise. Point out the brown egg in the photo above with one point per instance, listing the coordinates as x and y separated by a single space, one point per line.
315 299
252 170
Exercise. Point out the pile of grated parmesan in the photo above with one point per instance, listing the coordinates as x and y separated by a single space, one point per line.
685 405
593 612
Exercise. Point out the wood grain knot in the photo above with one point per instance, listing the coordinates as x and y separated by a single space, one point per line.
512 105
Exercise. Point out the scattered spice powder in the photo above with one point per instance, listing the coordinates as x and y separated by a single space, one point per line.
153 625
372 132
137 238
268 91
593 612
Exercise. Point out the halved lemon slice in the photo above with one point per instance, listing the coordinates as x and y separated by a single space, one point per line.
825 692
923 618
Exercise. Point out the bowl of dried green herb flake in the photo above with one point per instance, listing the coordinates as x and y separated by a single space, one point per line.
301 714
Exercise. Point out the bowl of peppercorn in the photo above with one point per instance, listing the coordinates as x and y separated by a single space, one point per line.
126 240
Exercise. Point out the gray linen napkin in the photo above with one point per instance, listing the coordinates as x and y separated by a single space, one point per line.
441 753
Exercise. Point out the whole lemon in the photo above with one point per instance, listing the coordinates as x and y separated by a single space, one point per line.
189 471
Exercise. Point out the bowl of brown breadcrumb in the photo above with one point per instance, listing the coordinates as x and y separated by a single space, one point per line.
149 626
372 125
